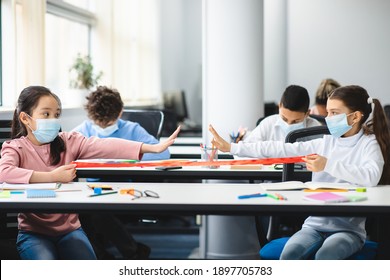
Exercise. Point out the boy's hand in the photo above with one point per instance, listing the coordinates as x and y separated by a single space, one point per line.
315 163
218 141
64 174
160 147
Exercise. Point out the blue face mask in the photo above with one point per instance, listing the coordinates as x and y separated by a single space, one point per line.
287 128
338 124
46 130
107 131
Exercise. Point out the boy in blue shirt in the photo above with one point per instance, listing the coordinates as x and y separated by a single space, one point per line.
104 109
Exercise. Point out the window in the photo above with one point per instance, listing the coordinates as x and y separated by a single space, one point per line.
60 51
67 31
44 38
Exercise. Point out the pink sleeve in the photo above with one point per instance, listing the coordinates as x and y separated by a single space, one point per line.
10 171
93 147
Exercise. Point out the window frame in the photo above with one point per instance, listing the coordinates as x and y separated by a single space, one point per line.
70 12
73 13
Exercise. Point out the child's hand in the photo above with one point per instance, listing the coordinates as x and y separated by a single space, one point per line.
160 147
64 174
218 141
315 163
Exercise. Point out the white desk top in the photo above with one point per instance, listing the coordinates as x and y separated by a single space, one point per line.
193 141
197 199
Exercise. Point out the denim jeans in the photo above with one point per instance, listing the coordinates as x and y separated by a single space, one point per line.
308 243
71 246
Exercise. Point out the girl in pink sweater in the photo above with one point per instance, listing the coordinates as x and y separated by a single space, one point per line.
40 153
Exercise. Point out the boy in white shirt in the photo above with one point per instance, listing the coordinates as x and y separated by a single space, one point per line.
293 114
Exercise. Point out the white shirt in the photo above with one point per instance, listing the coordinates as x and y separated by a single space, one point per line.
270 129
356 159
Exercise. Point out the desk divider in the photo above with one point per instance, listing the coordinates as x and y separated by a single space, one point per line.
268 161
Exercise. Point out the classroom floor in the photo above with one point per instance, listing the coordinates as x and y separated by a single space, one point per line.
172 237
169 246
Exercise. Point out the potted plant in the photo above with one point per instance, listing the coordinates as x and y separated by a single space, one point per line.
82 77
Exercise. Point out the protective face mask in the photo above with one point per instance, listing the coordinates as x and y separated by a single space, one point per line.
338 124
287 128
47 130
106 131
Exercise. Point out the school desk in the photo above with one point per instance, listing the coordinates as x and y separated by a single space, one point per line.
190 173
192 152
195 198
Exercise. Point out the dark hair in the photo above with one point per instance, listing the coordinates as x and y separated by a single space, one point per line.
296 98
27 102
356 99
104 104
325 89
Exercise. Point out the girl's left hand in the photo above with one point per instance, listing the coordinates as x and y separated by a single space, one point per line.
160 147
315 163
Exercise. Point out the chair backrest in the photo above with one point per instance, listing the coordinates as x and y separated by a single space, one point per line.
151 120
386 108
319 118
5 131
175 101
303 134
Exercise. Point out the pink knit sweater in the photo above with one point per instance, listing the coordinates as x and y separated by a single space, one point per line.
19 158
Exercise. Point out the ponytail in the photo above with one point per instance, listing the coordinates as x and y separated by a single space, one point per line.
17 130
382 134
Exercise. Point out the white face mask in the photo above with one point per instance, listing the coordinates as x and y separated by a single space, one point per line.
287 128
106 131
46 129
338 124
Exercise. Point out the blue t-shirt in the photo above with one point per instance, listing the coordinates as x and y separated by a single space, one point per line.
126 130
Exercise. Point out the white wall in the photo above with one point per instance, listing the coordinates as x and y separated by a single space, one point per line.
346 40
275 49
232 65
181 51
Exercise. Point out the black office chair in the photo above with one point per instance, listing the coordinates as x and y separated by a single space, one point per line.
386 108
8 221
273 240
319 118
151 120
5 131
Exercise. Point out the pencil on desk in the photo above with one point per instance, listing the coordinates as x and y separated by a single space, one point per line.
280 197
99 194
272 196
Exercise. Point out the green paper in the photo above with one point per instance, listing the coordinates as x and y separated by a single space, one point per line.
5 194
